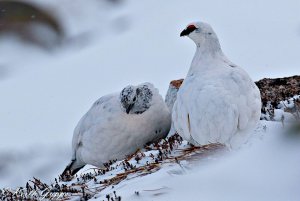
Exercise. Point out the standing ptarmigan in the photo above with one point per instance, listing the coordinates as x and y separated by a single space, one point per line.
217 102
117 125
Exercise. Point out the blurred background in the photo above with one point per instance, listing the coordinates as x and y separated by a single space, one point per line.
58 56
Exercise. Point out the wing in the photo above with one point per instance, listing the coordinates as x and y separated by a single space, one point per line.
249 101
96 116
209 115
213 107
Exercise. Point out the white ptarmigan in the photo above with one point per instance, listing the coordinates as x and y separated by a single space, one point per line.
117 125
172 93
217 101
171 98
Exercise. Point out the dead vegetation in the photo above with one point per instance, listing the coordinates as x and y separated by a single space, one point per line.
87 185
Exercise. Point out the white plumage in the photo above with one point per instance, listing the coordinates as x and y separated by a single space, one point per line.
118 124
171 98
172 93
218 101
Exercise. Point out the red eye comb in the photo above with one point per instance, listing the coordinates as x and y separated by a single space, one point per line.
191 26
188 30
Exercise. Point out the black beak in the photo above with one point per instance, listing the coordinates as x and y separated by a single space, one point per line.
129 108
187 31
184 33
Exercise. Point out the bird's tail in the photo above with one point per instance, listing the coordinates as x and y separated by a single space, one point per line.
71 170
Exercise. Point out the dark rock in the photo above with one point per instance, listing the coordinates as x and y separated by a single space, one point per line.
278 89
22 19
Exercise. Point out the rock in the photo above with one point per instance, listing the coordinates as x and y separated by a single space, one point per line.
30 23
278 89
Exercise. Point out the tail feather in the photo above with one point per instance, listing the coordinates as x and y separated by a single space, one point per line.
71 170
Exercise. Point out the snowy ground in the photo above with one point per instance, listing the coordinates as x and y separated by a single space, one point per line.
265 168
44 94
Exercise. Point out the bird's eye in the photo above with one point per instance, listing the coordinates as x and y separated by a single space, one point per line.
134 98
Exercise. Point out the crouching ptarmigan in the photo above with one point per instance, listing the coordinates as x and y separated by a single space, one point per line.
217 102
117 125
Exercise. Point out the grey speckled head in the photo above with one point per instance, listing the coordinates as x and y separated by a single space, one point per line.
136 100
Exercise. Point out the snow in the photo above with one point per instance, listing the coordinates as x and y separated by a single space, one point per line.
253 174
281 113
288 103
265 169
44 94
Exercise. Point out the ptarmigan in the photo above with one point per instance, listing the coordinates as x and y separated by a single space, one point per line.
217 102
117 125
172 93
171 98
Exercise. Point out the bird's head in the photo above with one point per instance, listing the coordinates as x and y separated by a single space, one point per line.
136 99
199 32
